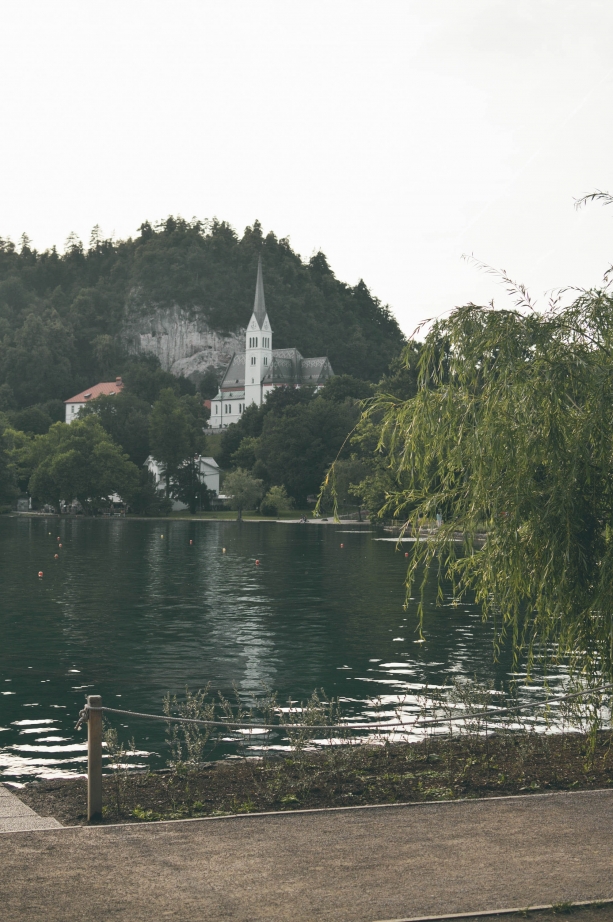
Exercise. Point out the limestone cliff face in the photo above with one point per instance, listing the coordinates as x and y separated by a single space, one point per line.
184 345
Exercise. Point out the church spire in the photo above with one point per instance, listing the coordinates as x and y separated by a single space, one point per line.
259 307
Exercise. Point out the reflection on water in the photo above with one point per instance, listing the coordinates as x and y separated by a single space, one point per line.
131 611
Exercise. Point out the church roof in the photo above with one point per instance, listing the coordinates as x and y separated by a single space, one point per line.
234 378
287 367
259 305
315 371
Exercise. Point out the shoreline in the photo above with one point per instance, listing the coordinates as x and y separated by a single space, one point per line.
188 518
438 769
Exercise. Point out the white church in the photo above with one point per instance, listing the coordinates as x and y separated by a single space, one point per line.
252 374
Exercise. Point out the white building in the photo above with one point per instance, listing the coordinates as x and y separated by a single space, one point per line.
207 470
74 404
252 374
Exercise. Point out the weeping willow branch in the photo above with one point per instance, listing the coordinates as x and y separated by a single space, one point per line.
511 433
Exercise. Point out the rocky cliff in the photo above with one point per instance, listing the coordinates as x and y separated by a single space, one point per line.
184 345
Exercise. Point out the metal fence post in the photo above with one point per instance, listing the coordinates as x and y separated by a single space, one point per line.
94 759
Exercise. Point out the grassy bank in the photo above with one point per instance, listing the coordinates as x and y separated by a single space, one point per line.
352 775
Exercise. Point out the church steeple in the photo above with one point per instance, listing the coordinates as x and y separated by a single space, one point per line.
259 306
258 345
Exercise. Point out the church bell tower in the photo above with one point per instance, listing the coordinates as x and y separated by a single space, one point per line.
258 345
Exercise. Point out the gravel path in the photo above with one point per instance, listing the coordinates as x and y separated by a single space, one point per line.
355 865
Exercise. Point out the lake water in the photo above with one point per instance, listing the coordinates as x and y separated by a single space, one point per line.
131 610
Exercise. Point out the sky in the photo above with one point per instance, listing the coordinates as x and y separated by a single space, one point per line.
397 136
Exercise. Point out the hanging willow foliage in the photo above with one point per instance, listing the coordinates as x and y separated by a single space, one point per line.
511 434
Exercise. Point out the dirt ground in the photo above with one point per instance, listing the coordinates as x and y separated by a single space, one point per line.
341 776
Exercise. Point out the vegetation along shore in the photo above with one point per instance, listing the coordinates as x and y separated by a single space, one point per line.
435 769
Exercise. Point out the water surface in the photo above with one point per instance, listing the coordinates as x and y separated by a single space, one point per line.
132 610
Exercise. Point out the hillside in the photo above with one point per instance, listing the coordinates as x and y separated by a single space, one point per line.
177 289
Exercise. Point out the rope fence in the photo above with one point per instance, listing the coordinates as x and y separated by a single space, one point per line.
93 711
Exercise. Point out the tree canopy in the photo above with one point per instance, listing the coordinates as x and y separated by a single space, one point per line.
62 316
80 462
175 431
245 490
510 432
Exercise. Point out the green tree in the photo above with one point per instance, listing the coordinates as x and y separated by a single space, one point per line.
176 434
245 455
188 487
351 473
145 379
401 379
170 434
80 461
33 419
8 479
511 431
244 490
297 446
276 501
209 384
341 387
126 419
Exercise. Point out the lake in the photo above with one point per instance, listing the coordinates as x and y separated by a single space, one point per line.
132 610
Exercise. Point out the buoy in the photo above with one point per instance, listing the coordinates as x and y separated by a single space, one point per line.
49 534
59 545
342 545
406 553
190 541
161 536
58 538
57 556
40 574
223 550
257 563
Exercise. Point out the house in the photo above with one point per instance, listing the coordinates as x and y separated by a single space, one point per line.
74 404
207 471
252 374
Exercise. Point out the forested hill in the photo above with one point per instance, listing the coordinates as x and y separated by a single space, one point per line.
62 316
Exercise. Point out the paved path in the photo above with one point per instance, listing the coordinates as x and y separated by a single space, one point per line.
361 865
16 817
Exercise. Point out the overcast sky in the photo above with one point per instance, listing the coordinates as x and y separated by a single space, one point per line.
395 135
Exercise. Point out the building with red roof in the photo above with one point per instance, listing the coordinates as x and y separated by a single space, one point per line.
74 404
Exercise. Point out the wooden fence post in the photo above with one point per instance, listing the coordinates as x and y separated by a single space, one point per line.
94 759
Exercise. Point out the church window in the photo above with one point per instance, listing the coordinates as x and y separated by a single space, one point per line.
253 359
266 360
216 408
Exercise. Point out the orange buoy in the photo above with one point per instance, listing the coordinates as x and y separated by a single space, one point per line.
257 563
56 556
40 574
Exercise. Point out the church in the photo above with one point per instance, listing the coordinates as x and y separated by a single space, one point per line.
252 374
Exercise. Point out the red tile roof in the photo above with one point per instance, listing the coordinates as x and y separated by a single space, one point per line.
105 387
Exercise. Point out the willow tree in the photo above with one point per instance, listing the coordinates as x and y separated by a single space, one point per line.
510 434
